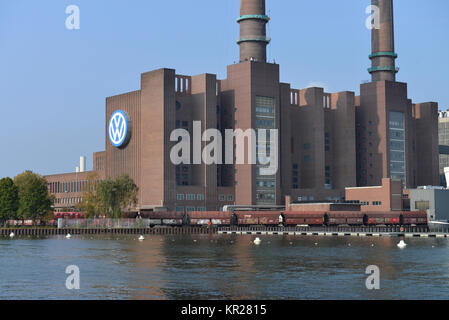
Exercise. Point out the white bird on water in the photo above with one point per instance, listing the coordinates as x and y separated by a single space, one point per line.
141 238
402 244
12 235
257 241
68 236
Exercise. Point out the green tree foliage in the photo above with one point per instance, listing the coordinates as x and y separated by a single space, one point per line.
90 204
110 197
34 199
9 199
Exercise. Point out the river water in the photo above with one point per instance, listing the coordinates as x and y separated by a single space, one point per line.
222 267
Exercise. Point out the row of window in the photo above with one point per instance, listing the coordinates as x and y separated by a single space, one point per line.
295 178
222 197
189 209
266 197
366 203
68 187
266 183
180 124
265 123
68 200
266 106
327 142
200 197
265 110
181 196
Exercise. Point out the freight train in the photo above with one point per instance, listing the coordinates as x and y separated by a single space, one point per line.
269 218
288 218
49 223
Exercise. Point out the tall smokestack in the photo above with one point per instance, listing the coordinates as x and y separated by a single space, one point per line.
82 164
253 35
383 57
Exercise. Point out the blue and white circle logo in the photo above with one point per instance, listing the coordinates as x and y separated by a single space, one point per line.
119 129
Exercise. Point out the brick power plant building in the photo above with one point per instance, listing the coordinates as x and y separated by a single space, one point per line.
327 141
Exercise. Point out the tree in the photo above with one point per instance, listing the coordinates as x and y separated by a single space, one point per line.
9 199
34 199
115 195
90 204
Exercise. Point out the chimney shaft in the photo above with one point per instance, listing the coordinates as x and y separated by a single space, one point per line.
253 36
82 164
383 57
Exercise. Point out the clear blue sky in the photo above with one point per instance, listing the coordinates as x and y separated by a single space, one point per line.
53 82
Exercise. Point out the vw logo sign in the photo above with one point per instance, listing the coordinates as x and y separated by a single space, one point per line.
119 129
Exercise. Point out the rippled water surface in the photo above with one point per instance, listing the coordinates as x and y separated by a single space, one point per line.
222 267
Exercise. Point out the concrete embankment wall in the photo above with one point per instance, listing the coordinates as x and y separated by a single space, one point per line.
138 231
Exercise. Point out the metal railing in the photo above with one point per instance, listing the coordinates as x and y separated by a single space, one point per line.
103 223
335 229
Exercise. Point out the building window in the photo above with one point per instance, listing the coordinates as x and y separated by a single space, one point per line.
265 119
200 197
180 196
179 209
377 203
264 123
327 141
222 197
230 197
190 209
397 146
307 146
269 110
422 205
190 197
201 209
307 158
295 174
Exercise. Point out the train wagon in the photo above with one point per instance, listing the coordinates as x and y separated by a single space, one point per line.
312 218
204 218
383 218
264 218
165 218
69 215
344 218
269 218
414 217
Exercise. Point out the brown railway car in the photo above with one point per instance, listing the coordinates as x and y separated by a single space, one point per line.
269 218
165 218
383 218
210 218
344 218
257 217
414 217
314 218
